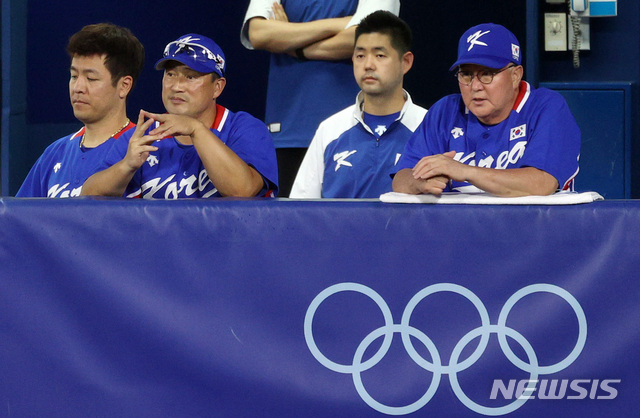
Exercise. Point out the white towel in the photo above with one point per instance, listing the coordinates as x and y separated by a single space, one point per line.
560 198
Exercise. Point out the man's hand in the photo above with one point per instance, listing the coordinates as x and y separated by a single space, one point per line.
431 175
113 181
279 13
405 182
140 144
173 125
512 182
440 165
434 185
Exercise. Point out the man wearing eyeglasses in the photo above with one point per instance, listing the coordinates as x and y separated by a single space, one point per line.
499 135
199 148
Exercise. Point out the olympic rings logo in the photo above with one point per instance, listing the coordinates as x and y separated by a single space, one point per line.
436 366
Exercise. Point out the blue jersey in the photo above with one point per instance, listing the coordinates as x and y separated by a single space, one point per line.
176 171
301 94
347 159
540 132
64 166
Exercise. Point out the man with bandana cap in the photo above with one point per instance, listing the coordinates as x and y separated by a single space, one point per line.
199 148
499 135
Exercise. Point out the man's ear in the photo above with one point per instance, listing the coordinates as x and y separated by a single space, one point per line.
220 84
517 74
125 84
407 61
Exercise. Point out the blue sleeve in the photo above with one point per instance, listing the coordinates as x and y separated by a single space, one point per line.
554 143
36 182
116 154
32 185
252 142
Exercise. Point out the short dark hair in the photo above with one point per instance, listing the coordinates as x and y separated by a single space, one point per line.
389 24
124 52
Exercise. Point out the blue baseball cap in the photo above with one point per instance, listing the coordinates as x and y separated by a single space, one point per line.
196 52
489 45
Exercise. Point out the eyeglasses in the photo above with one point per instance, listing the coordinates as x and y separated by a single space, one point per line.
199 53
484 76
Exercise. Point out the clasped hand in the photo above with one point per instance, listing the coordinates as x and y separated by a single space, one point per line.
140 145
434 172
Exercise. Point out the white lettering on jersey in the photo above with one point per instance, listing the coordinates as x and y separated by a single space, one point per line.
61 191
189 185
154 185
152 160
57 167
341 159
486 162
398 155
472 40
381 129
504 159
457 132
461 158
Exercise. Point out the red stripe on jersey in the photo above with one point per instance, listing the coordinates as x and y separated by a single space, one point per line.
126 128
221 117
523 96
77 134
570 184
116 136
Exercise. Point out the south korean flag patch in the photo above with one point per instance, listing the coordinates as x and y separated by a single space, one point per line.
515 52
518 132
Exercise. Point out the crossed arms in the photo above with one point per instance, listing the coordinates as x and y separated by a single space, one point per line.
324 39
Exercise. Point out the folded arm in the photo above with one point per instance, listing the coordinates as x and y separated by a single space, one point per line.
227 171
278 35
337 47
427 176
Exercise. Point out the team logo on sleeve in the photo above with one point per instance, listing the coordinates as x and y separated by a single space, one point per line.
57 167
518 132
341 159
457 132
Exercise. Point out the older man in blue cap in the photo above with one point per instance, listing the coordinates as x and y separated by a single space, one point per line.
197 149
499 135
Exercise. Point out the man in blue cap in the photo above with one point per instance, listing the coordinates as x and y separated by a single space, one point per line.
197 149
499 135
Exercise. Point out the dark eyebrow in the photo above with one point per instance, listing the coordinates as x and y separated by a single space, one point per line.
87 71
376 48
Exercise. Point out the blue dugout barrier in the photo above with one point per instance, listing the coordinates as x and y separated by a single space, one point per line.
281 308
